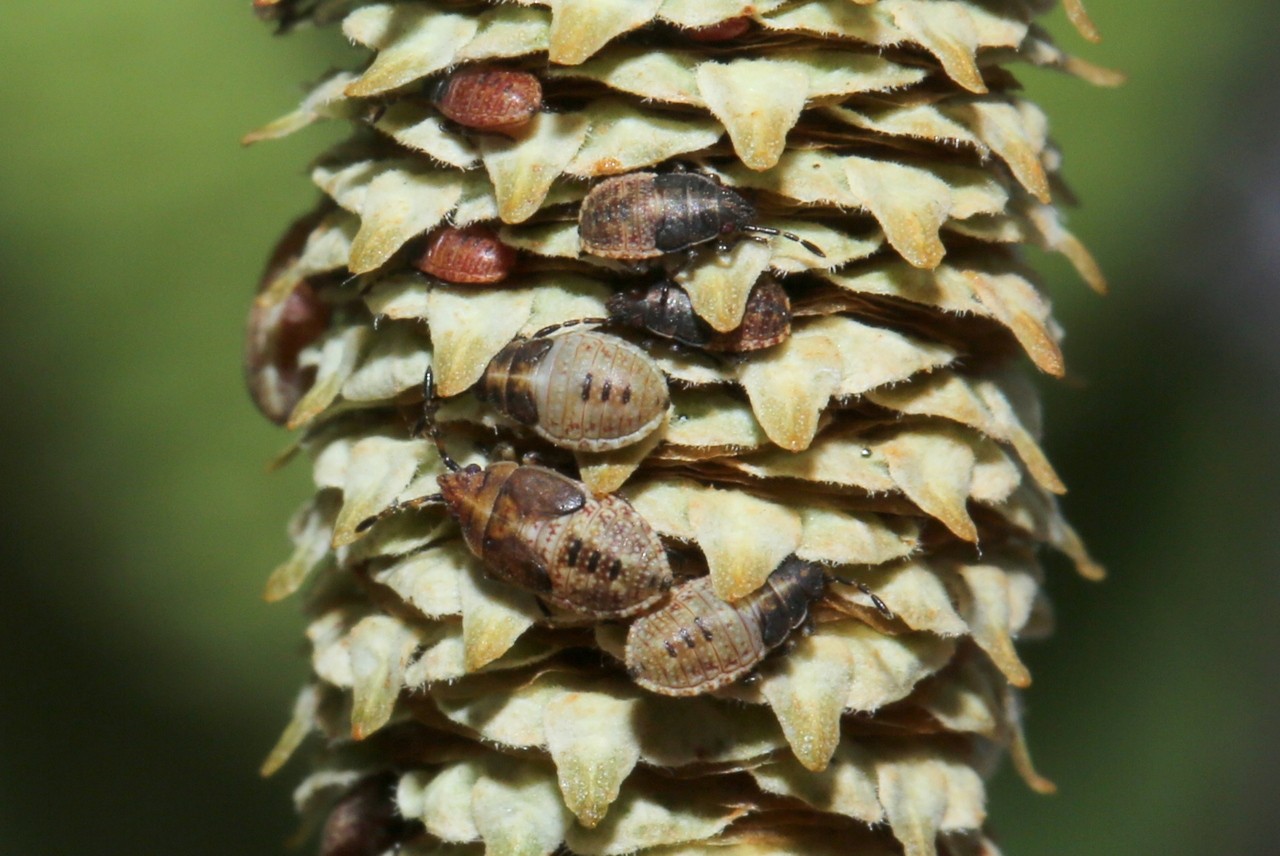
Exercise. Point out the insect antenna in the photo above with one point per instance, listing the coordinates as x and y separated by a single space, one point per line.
880 605
792 236
427 421
577 322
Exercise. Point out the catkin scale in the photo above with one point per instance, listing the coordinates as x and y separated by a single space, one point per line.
581 390
546 533
697 643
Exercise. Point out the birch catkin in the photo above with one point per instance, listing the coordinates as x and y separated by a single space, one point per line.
832 290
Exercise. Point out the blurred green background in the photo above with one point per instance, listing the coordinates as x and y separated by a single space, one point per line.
143 677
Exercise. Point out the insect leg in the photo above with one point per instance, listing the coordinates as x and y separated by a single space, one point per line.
427 421
398 506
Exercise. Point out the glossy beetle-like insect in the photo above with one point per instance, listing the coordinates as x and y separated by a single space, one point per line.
644 215
729 28
276 333
284 11
365 821
289 13
548 534
488 99
665 309
472 255
580 390
271 10
697 643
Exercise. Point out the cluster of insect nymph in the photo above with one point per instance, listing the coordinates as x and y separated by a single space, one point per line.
581 388
594 555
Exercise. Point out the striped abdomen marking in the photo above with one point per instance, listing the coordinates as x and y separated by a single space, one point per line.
692 213
698 643
605 560
583 391
509 382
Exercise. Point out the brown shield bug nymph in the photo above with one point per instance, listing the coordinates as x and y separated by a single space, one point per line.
644 215
581 390
548 534
472 255
365 821
488 99
665 309
696 642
